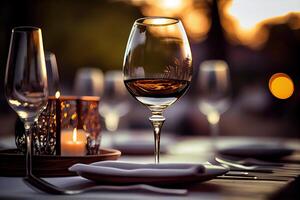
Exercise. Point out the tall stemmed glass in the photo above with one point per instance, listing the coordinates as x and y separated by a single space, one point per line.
114 104
52 75
157 66
214 93
26 86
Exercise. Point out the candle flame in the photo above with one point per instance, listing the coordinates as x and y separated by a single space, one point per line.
57 94
75 135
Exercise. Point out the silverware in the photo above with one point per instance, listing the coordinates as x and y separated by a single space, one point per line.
291 170
41 185
255 172
262 163
270 178
260 175
253 161
238 167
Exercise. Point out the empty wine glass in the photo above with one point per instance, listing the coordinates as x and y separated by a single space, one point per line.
157 66
214 93
114 102
26 87
52 74
89 82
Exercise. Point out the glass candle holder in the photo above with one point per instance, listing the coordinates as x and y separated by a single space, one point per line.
63 113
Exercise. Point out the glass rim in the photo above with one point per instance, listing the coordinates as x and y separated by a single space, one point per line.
25 29
140 21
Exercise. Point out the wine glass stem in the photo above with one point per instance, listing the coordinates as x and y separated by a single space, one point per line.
157 121
213 118
27 126
214 128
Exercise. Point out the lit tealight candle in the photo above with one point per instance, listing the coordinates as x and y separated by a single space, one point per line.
73 143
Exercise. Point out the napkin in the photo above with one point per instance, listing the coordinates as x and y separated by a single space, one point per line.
125 169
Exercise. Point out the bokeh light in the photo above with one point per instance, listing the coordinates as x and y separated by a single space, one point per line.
245 21
281 86
193 14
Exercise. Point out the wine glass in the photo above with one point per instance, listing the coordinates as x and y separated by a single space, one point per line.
89 82
214 93
114 102
26 87
157 66
52 74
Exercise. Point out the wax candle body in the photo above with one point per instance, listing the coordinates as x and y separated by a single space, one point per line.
73 142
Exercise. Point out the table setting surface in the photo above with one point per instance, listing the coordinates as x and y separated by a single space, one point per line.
227 187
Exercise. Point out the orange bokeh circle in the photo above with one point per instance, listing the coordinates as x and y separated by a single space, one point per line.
281 85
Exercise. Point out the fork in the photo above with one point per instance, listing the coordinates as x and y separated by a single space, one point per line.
292 171
41 185
255 172
238 167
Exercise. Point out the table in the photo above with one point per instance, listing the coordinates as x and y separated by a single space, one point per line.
14 188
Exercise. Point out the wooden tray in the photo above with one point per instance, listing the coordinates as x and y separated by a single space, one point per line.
12 163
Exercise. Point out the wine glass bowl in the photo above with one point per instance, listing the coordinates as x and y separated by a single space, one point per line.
157 66
89 82
114 104
214 92
26 79
52 75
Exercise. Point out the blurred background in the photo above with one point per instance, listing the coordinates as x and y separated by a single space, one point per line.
256 38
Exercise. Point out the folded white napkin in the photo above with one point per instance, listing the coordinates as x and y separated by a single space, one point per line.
125 169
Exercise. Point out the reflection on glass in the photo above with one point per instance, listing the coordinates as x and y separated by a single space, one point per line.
214 90
157 66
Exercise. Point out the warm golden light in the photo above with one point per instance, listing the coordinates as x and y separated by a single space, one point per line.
281 85
57 94
167 27
159 21
194 14
171 4
14 102
74 135
73 142
196 23
213 117
244 21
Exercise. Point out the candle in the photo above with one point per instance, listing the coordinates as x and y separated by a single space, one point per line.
73 143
